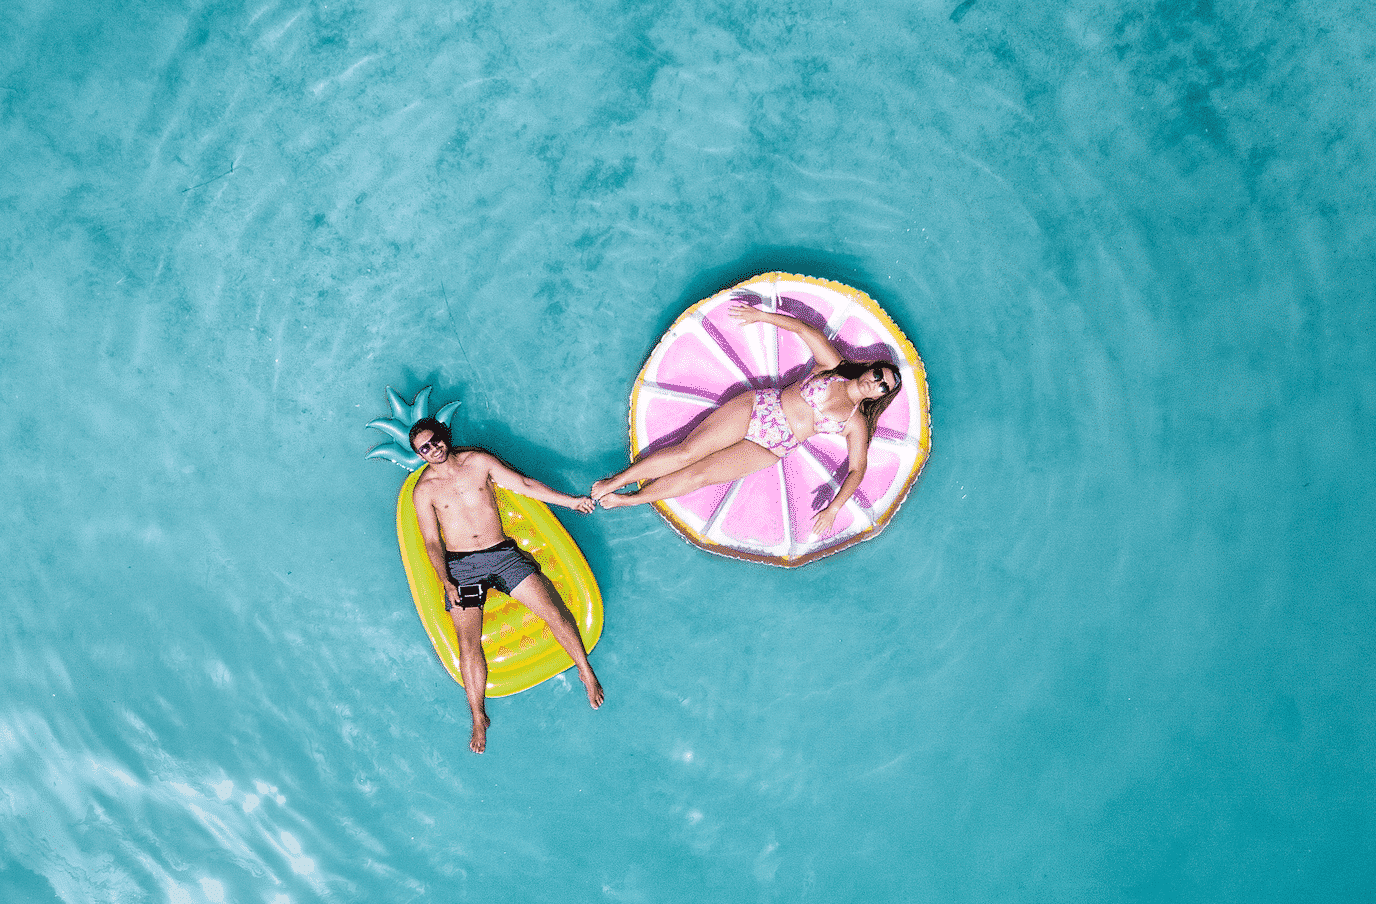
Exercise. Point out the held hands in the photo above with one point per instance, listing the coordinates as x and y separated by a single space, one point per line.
583 504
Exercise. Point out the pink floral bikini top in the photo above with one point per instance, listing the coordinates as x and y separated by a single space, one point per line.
814 391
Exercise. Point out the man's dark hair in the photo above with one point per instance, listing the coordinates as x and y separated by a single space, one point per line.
440 431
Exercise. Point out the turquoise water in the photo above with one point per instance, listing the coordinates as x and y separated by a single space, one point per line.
1116 646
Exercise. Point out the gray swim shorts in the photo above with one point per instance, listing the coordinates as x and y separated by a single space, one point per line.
503 566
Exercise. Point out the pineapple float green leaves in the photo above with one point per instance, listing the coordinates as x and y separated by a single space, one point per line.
398 427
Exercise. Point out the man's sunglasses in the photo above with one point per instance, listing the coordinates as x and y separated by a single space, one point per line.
429 444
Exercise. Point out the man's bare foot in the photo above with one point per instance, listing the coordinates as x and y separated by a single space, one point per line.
595 694
478 743
603 487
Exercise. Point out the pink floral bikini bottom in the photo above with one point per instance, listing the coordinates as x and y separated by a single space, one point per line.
768 426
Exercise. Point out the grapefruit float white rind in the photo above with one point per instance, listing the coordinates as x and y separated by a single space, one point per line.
706 358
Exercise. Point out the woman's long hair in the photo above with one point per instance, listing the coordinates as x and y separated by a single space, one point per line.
870 409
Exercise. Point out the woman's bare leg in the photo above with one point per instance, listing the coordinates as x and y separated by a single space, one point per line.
720 429
537 595
468 625
721 466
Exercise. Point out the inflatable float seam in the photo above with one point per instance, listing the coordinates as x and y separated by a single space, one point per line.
710 523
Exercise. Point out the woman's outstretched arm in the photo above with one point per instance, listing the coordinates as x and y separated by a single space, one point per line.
858 452
823 352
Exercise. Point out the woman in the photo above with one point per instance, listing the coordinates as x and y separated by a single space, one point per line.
756 429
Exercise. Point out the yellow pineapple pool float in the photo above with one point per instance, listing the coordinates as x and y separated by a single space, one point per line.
521 651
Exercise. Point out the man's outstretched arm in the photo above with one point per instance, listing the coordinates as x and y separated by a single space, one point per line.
508 477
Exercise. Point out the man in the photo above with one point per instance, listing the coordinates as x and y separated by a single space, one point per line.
463 535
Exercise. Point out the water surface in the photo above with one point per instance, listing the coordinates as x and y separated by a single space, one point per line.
1115 647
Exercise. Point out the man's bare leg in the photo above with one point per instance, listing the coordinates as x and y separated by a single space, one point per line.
538 595
468 624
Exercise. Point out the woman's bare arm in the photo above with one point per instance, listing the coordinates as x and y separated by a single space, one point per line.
823 352
857 452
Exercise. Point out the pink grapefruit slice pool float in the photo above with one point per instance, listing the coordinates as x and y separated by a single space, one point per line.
706 358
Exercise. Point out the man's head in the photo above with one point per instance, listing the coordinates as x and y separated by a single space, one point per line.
430 439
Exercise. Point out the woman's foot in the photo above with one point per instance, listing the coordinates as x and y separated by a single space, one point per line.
604 486
616 500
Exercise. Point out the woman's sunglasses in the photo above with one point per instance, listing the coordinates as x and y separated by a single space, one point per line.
882 376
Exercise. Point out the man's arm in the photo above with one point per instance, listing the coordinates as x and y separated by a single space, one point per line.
511 479
434 543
